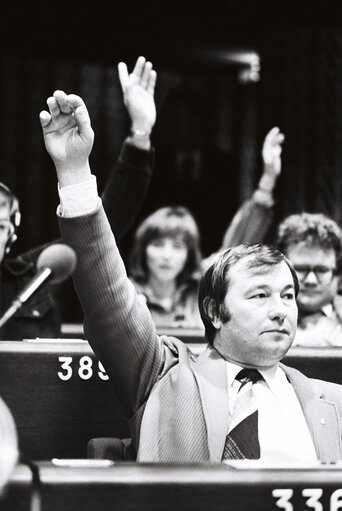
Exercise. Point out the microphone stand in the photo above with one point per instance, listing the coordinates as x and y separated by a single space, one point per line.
25 295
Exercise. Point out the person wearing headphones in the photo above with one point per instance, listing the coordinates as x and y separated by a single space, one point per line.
40 316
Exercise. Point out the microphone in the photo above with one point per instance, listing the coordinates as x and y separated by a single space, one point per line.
56 263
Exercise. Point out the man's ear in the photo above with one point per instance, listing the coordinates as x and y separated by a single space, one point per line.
212 313
217 323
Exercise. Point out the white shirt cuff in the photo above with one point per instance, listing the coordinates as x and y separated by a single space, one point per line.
79 199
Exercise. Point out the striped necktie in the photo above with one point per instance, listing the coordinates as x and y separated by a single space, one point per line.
242 440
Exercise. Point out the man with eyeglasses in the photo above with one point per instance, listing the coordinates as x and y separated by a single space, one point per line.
313 243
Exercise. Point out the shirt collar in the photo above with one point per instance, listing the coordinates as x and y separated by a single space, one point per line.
273 376
328 310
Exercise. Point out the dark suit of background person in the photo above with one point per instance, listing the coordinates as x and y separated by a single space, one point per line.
164 237
254 217
176 401
122 198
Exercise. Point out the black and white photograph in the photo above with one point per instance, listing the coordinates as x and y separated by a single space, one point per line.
171 256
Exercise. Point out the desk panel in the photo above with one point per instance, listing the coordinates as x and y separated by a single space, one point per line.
188 335
322 363
19 494
166 487
60 397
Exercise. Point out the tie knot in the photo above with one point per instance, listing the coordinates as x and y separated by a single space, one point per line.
252 375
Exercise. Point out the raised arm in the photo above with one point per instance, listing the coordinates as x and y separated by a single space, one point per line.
68 137
252 221
128 183
118 325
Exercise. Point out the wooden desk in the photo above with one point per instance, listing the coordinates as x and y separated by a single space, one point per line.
59 396
209 487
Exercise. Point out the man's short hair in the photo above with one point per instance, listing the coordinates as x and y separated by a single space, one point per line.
316 229
215 281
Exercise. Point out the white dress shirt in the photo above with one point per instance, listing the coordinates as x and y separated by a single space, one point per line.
284 435
79 199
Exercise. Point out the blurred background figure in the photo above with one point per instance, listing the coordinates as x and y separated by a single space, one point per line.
254 217
165 266
41 316
166 262
313 243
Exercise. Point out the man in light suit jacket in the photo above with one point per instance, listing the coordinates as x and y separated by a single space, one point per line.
179 405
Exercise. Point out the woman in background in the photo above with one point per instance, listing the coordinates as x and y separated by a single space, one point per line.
165 263
165 266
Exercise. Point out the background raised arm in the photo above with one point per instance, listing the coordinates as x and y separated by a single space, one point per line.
138 96
271 157
129 180
253 219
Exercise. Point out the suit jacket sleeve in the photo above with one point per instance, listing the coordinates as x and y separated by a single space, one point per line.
118 324
126 187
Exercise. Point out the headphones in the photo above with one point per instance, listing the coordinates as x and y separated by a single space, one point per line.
15 215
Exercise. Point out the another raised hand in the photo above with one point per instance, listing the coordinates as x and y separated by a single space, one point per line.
138 95
68 136
271 151
271 156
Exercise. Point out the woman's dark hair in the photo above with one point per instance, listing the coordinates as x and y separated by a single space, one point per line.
169 221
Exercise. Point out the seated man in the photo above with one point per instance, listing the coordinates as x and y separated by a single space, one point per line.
181 406
41 315
313 243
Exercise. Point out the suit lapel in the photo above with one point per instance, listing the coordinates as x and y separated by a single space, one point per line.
211 375
321 416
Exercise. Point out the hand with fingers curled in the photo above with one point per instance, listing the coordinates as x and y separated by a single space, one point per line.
68 136
138 95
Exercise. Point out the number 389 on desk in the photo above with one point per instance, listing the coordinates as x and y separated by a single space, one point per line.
84 368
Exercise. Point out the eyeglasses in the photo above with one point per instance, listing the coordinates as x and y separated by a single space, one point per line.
323 273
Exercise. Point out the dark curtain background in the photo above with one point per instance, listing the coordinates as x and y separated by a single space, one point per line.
301 73
208 136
